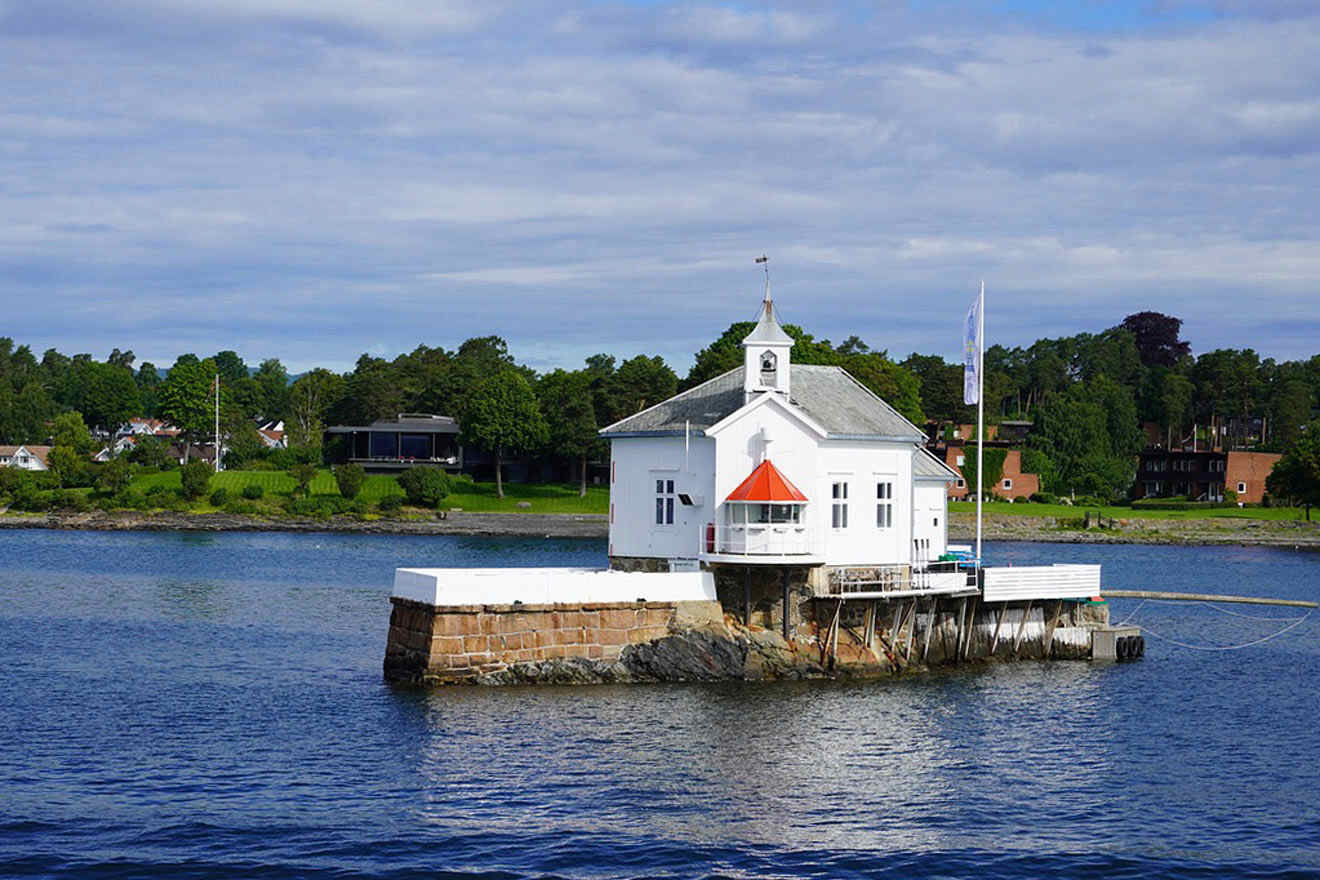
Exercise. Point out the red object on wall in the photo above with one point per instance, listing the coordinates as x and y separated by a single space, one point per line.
710 537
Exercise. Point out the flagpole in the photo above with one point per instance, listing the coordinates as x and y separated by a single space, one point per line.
217 423
980 412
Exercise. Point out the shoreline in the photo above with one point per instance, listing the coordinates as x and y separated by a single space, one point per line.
962 528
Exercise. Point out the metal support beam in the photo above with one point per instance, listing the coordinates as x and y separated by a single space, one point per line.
999 619
1048 645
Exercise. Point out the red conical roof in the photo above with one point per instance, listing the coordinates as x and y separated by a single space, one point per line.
767 484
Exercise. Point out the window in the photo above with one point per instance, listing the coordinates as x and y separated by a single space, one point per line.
839 510
961 485
1008 484
1242 487
768 368
664 502
962 460
884 505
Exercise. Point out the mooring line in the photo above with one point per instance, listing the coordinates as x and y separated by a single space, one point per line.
1249 616
1125 620
1171 641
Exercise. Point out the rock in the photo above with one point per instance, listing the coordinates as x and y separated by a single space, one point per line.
523 505
696 655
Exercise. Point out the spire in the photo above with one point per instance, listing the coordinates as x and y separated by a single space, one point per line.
767 324
767 349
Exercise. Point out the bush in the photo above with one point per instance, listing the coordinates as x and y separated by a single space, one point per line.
155 492
115 476
1044 498
127 499
296 506
349 478
424 486
195 477
390 503
28 497
303 473
72 501
220 497
1022 499
252 491
241 508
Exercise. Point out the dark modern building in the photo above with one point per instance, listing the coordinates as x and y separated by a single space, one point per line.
398 443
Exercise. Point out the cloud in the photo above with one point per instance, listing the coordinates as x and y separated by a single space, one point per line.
309 180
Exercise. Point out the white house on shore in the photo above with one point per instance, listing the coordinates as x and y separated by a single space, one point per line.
774 464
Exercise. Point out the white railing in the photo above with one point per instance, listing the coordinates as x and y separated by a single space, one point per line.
760 539
906 580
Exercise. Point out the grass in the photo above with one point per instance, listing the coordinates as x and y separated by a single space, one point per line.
1067 512
476 497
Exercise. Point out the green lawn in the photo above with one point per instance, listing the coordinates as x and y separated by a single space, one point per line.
1063 510
478 497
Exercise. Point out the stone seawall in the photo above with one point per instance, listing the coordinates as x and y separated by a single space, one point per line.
592 643
431 644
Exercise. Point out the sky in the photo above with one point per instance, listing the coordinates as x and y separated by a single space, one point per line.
315 179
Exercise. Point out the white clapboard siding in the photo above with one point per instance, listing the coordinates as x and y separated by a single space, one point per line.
1018 584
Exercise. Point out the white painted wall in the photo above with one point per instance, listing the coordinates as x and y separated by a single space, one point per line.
543 586
930 518
635 464
714 466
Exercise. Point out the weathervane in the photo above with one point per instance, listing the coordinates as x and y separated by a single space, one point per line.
765 264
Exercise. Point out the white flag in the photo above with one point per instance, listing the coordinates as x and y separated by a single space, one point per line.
971 353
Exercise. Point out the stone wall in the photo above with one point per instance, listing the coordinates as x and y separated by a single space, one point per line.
431 644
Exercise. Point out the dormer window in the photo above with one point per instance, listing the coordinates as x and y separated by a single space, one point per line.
769 368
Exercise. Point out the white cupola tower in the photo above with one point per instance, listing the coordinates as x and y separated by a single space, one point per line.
766 352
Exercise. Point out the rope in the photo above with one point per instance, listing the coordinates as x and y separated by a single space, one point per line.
1292 625
1125 620
1248 616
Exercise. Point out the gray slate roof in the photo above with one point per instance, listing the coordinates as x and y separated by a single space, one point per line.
828 395
927 466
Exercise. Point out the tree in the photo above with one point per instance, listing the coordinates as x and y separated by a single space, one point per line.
310 399
303 473
195 479
148 382
273 380
115 476
501 413
570 417
1297 475
349 478
643 381
69 430
186 399
105 394
1176 393
230 366
69 467
1157 338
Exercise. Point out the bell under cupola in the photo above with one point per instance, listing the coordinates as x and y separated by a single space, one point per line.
766 351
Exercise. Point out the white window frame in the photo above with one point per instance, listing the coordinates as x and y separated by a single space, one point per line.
664 501
1008 483
962 460
1242 488
961 484
884 502
839 504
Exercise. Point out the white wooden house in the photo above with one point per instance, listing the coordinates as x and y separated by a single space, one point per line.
775 464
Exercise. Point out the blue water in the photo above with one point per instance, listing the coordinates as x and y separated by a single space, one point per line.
212 706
